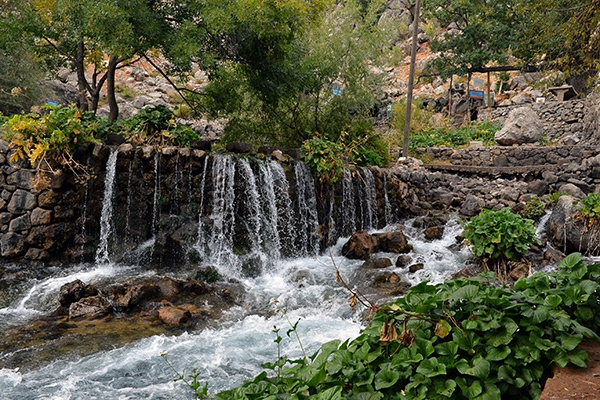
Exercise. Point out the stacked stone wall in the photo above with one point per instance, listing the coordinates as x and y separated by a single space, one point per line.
561 119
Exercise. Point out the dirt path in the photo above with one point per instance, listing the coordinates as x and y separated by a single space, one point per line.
576 383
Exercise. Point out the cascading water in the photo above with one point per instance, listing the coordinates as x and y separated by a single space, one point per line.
102 255
280 223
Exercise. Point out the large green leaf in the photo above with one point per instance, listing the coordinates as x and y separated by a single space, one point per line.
386 378
497 353
431 367
470 391
334 393
479 367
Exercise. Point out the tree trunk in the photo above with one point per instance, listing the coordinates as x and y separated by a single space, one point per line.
82 101
110 89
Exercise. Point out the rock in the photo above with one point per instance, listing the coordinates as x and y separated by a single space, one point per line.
12 245
379 262
74 291
518 272
522 126
359 246
434 232
169 287
394 278
471 206
572 191
21 202
21 178
403 261
90 308
393 242
538 187
21 224
569 231
205 145
51 237
553 255
113 139
239 147
278 155
174 315
134 295
416 267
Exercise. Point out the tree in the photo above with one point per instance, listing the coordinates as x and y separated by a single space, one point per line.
80 33
486 33
21 78
283 71
562 34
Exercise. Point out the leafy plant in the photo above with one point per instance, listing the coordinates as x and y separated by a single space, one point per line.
496 234
51 139
200 391
156 125
462 339
590 207
553 198
534 209
324 157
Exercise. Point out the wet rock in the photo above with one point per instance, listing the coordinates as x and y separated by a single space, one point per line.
553 255
403 261
74 291
393 242
207 274
174 315
394 278
359 246
205 145
379 262
169 287
519 271
90 308
434 232
195 287
416 267
134 295
113 139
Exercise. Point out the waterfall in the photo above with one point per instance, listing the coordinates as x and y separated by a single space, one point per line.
307 217
102 256
270 219
155 205
283 204
218 245
253 217
368 200
347 210
388 206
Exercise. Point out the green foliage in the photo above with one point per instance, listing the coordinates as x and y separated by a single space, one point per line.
487 32
534 209
553 198
496 234
156 125
590 207
325 158
483 131
462 339
51 137
281 87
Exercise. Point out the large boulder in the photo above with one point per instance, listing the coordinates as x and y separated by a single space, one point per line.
360 246
393 242
570 231
522 126
74 291
173 315
90 308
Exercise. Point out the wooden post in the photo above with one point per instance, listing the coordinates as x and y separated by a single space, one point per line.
411 78
489 96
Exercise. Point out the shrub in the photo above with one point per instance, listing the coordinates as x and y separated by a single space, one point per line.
495 234
462 339
534 209
156 125
590 207
51 137
324 157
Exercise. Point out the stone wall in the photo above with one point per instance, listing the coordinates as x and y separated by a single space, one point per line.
163 195
563 120
519 156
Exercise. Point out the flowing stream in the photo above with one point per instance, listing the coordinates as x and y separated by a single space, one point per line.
226 355
277 222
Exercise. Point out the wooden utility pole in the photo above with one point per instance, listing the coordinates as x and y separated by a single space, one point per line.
411 78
